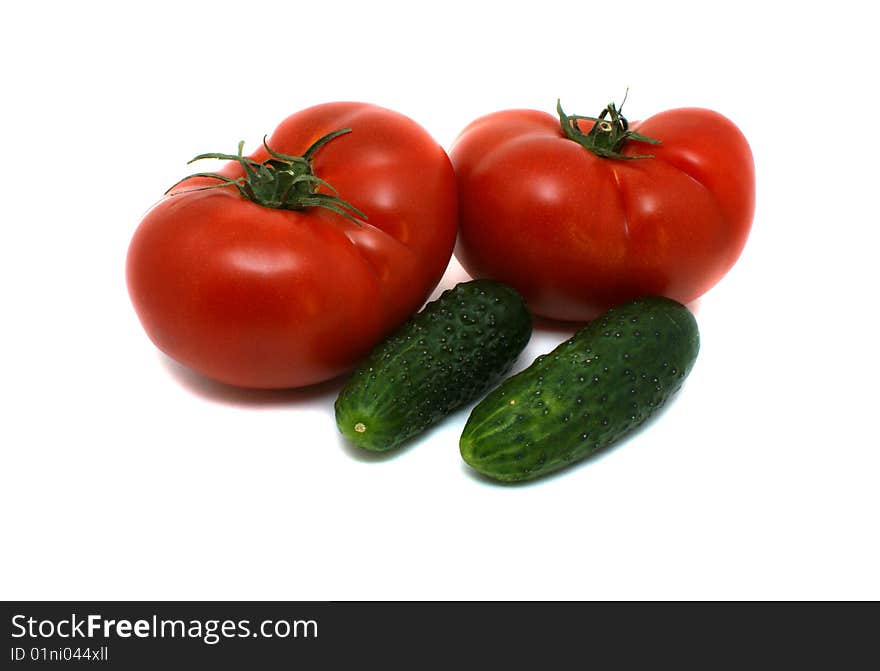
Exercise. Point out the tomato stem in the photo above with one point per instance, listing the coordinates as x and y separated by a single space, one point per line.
607 136
283 181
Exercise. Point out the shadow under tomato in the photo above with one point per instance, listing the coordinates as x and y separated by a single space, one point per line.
555 327
204 387
567 329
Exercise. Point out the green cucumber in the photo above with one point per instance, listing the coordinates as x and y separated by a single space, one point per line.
449 354
589 392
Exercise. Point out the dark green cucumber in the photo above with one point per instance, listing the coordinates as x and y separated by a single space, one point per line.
453 351
587 393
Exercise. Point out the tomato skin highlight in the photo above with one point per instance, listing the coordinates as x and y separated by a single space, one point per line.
260 297
576 233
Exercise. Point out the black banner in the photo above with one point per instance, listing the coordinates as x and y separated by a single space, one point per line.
239 635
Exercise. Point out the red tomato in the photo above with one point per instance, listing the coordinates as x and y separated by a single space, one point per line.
562 210
296 293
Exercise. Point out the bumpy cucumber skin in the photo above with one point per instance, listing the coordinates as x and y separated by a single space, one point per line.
452 352
589 392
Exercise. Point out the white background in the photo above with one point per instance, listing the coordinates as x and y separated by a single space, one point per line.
124 476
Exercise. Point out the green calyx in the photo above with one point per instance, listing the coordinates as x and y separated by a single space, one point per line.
610 132
282 181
